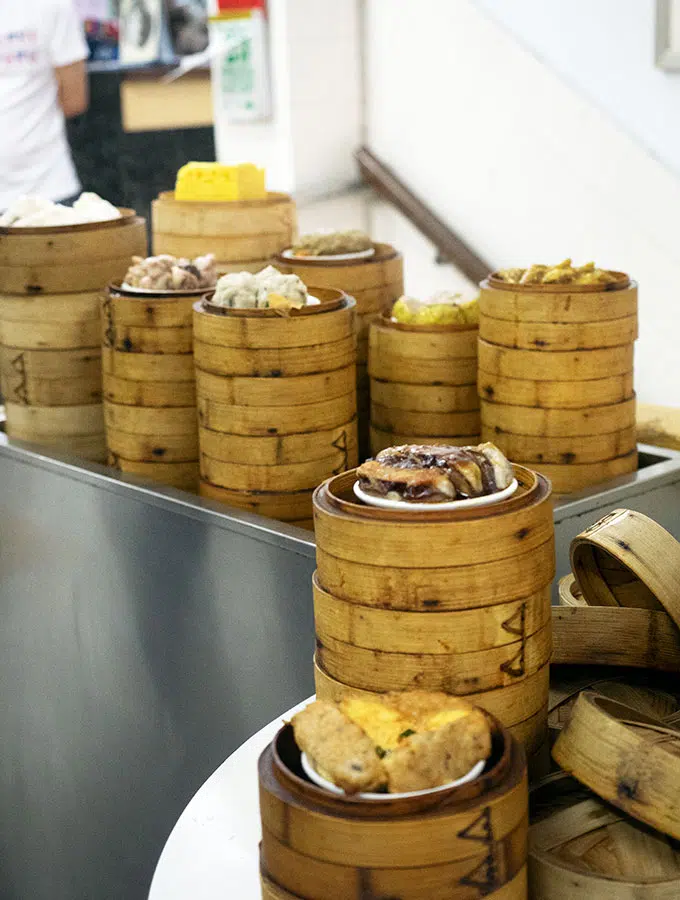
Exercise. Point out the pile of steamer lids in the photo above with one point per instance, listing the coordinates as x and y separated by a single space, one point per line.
606 823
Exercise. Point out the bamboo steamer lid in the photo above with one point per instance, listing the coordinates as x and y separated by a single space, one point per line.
579 846
405 420
157 421
567 451
566 479
556 394
557 303
443 588
149 393
522 707
425 397
22 388
39 422
182 475
563 365
278 450
288 506
549 336
626 757
524 420
381 440
153 367
276 420
644 638
150 448
287 477
455 673
444 633
627 559
374 282
642 690
348 529
69 258
274 362
51 365
332 320
272 392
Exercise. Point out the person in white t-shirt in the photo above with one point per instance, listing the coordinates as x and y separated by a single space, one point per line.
43 81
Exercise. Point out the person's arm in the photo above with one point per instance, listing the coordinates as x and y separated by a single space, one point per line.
73 88
68 52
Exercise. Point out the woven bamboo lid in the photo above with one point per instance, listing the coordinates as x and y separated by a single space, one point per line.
628 758
627 559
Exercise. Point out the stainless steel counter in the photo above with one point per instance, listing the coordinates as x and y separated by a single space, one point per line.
144 635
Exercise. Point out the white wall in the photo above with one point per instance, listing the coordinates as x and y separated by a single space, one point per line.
520 162
307 145
605 50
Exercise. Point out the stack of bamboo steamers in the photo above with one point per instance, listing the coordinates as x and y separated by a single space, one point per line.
276 402
375 283
149 385
556 378
423 384
607 826
50 351
455 601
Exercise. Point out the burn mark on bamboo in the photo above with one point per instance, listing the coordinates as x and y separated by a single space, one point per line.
430 603
538 342
626 788
516 624
33 288
340 443
488 391
568 458
522 533
158 451
109 330
127 345
624 545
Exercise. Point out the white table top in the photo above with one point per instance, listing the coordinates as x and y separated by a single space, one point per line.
215 841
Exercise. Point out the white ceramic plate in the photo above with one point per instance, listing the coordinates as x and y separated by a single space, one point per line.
385 503
336 257
138 290
334 789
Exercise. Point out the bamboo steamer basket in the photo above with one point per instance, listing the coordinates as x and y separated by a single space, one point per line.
628 758
291 506
350 530
276 435
169 448
50 280
182 475
619 636
579 450
627 559
567 479
558 303
556 394
548 337
69 258
149 393
274 362
243 235
375 283
563 365
155 421
580 846
148 367
150 323
448 845
439 403
500 418
522 707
